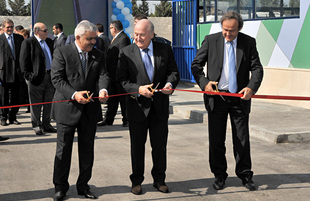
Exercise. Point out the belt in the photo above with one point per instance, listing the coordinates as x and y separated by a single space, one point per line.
225 91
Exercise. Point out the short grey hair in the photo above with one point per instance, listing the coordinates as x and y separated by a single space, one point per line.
84 26
233 15
6 21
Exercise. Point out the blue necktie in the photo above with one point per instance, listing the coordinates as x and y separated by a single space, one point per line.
148 64
11 44
232 69
47 58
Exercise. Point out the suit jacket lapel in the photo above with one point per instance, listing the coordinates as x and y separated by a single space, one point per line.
220 51
90 61
157 59
239 51
7 48
75 56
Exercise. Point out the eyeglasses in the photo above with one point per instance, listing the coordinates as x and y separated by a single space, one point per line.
44 30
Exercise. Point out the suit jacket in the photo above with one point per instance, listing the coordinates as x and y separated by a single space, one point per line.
100 44
61 41
67 77
119 42
9 64
70 39
212 51
106 42
132 74
32 59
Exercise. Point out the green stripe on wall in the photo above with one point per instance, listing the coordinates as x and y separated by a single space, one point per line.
202 31
301 56
274 27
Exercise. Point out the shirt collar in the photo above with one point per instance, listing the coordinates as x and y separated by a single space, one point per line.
79 49
39 39
7 35
150 47
59 34
118 33
235 41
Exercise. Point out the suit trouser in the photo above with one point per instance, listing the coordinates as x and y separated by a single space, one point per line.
115 88
65 134
9 96
217 122
158 131
38 94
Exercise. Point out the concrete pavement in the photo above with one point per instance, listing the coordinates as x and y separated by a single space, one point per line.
281 171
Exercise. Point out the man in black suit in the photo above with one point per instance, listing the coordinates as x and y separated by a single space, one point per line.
78 70
60 37
231 56
100 34
35 62
144 65
70 39
120 40
10 73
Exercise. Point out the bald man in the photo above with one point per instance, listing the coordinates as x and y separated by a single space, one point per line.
35 62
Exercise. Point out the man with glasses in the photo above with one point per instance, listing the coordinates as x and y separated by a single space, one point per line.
35 59
10 73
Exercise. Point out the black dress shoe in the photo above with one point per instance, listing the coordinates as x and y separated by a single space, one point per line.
59 196
249 184
15 122
88 194
50 130
39 132
3 138
161 187
219 184
103 123
137 190
3 122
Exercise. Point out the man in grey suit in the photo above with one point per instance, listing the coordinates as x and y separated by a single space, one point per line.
231 58
60 37
78 70
10 73
35 62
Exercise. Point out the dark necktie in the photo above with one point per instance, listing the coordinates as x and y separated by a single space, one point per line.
55 41
232 69
47 58
148 64
83 54
11 44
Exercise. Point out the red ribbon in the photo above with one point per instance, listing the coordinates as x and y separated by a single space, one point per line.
185 90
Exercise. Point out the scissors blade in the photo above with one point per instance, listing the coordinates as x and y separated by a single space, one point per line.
157 86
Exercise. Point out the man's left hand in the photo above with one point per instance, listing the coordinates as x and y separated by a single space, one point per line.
167 89
247 93
103 96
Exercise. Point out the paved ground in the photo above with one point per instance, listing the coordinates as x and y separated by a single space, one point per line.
282 171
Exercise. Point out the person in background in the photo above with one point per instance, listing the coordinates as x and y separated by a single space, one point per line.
18 28
10 72
100 34
233 66
70 39
145 65
25 33
77 71
60 37
35 60
120 40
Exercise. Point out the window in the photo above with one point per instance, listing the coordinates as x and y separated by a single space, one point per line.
212 10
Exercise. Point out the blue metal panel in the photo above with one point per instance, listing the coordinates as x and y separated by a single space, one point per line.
184 35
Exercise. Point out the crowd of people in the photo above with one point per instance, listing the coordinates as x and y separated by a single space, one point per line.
87 64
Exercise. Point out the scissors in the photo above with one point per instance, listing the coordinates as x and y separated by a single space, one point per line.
217 90
89 97
155 89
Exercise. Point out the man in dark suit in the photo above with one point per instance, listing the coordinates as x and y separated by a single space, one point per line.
60 37
78 70
35 61
100 34
231 56
10 73
144 65
120 40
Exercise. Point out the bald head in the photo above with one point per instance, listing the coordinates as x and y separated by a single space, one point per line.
143 33
40 30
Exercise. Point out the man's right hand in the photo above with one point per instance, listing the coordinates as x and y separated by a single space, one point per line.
79 97
209 86
145 90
